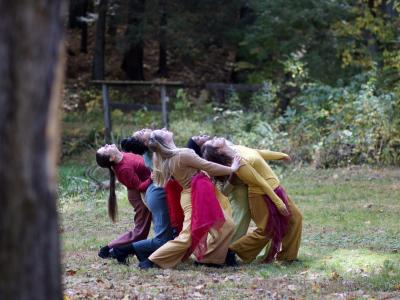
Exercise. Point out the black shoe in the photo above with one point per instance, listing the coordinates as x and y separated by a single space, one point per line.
230 259
210 265
121 253
289 262
104 252
146 264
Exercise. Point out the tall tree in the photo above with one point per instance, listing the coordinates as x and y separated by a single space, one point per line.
245 19
98 70
162 39
78 9
132 63
31 72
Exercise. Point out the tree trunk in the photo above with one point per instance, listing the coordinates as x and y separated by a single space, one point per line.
112 28
162 39
77 9
31 74
100 43
73 13
286 94
132 63
371 41
245 19
84 27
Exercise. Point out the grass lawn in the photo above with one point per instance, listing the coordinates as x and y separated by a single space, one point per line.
350 246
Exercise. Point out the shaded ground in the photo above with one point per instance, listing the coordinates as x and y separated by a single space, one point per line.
350 247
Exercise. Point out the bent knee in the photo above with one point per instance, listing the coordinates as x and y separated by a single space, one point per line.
297 217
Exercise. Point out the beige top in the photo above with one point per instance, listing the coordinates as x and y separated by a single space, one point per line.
187 163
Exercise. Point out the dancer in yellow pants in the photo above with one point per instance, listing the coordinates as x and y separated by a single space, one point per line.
183 165
263 188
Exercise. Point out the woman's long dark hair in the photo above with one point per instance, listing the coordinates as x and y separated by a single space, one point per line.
212 154
133 145
104 162
191 144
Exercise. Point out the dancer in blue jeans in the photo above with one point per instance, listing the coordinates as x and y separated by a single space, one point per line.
155 201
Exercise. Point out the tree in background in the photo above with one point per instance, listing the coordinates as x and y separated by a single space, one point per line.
132 62
78 10
31 72
283 28
98 69
162 40
369 38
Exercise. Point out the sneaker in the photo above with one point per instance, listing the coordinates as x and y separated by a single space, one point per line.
146 264
230 259
120 256
104 252
121 253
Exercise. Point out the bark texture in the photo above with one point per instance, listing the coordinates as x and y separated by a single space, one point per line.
31 71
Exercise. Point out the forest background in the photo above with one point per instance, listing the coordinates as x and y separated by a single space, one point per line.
329 97
329 70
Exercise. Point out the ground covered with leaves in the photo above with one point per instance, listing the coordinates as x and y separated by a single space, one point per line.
350 247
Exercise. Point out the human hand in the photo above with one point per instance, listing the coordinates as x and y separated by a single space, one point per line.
283 211
236 163
287 159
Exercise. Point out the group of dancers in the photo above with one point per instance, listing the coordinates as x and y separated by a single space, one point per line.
200 200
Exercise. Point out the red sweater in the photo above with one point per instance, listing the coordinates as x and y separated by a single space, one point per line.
132 172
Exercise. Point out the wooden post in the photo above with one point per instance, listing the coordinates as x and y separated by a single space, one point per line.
107 117
164 105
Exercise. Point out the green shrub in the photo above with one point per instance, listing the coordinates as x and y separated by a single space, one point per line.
352 124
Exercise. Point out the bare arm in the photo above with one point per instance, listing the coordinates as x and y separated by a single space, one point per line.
191 159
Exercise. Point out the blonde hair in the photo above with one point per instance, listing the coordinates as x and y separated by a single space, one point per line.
162 163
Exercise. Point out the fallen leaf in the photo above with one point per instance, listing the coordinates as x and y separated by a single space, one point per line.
334 276
197 294
70 272
109 286
315 287
199 287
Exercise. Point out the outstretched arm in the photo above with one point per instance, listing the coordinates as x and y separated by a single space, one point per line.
272 155
193 160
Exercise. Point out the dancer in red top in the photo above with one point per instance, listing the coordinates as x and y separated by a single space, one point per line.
131 172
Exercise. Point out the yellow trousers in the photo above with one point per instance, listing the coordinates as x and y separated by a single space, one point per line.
172 252
249 246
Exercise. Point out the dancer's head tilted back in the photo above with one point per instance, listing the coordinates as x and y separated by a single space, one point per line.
106 157
215 150
196 142
143 135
